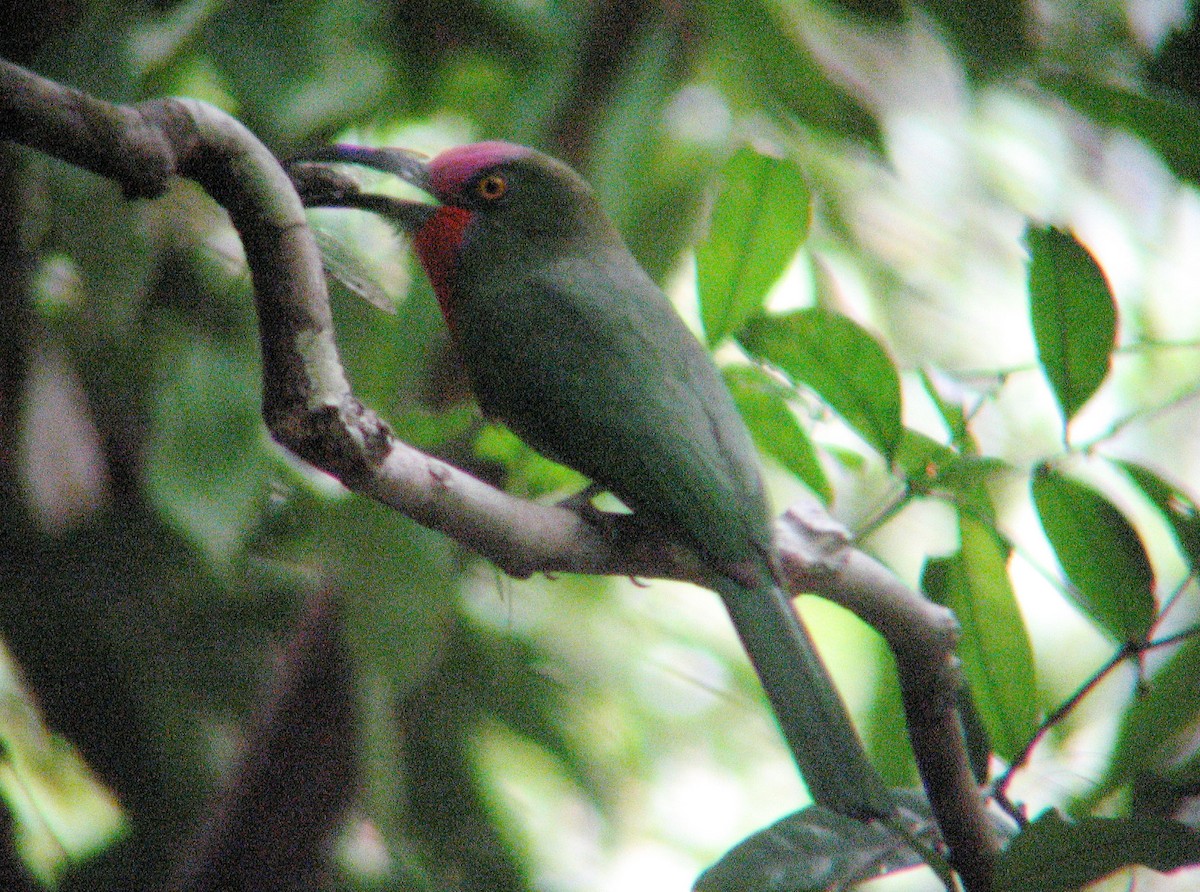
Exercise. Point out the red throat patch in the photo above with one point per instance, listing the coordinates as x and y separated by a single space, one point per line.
437 245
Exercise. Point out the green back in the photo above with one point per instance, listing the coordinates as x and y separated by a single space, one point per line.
582 355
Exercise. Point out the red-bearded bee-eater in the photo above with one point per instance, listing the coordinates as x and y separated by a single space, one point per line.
568 341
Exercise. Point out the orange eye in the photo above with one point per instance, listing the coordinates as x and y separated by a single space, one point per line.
491 187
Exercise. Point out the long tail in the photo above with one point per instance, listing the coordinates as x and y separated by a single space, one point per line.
807 707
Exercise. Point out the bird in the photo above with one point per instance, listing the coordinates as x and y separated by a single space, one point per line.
569 342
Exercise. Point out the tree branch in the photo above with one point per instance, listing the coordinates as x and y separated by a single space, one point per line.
818 556
309 408
271 828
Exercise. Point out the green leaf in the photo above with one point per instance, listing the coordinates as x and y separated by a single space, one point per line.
841 362
991 36
1175 65
994 648
877 12
1101 554
1175 505
979 743
1073 314
1161 723
1166 121
209 463
1054 855
816 849
922 459
756 46
73 816
529 472
760 219
311 64
773 425
504 678
393 576
652 184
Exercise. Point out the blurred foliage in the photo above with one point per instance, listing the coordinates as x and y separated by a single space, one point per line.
953 289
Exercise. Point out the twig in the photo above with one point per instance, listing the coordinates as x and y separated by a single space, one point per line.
1064 709
1129 650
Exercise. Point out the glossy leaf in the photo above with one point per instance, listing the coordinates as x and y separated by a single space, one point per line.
1109 573
953 414
73 817
1054 855
922 459
774 426
929 467
994 648
530 472
1074 317
817 849
842 363
760 219
1176 506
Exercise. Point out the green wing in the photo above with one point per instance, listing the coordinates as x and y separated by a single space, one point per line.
606 378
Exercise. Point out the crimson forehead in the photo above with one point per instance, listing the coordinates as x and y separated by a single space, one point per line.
449 170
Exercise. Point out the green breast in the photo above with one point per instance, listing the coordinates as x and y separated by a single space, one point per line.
585 359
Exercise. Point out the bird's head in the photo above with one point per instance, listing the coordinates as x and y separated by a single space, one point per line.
508 199
498 184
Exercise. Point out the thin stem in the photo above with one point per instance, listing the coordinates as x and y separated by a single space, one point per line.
1140 415
1125 652
1129 650
1173 598
1174 638
885 514
1147 346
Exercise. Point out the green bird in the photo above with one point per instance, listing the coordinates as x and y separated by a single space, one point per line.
567 341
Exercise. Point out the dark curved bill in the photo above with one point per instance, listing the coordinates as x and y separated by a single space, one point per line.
407 165
410 216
